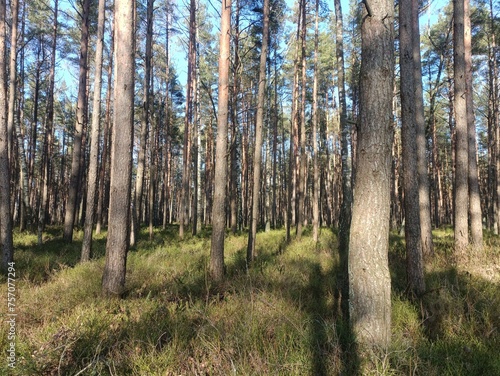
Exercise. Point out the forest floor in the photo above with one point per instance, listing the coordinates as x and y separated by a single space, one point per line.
280 318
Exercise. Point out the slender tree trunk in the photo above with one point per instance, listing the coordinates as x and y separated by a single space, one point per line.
233 195
495 127
261 96
6 241
12 75
145 124
186 155
475 214
94 137
166 146
409 131
47 143
11 124
421 145
113 280
461 143
302 155
369 278
316 187
81 120
218 209
345 215
103 173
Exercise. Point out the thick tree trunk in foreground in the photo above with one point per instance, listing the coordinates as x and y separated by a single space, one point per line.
258 137
369 278
113 280
461 206
218 208
94 138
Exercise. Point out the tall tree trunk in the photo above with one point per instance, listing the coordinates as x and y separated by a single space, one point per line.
494 125
6 242
409 130
11 124
302 155
461 141
233 193
113 280
369 278
103 173
81 120
196 208
47 143
345 210
421 145
261 96
186 154
94 137
315 220
475 214
218 209
12 75
145 123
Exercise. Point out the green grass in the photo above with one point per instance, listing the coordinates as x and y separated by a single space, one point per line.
281 318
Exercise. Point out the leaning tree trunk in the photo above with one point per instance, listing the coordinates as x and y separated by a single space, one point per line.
94 138
81 119
369 278
113 280
218 208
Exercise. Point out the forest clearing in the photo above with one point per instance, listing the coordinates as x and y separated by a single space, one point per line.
280 318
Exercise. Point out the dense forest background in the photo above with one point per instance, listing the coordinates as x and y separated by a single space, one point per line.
197 121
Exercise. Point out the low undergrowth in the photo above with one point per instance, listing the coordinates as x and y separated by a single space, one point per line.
280 318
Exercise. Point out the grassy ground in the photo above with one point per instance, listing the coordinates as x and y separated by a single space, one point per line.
281 318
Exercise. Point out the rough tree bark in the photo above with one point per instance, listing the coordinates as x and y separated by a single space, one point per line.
218 208
461 137
369 278
113 280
